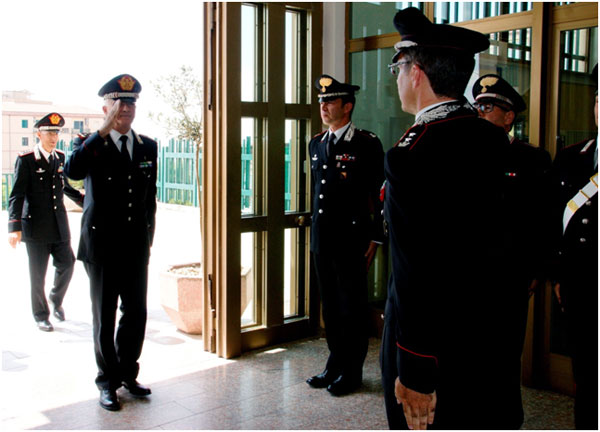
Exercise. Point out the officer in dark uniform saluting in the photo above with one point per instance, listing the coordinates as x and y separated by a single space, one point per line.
574 188
347 172
445 361
38 217
526 166
117 228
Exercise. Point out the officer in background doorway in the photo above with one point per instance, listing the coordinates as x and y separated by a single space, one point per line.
117 228
525 169
37 216
574 188
347 172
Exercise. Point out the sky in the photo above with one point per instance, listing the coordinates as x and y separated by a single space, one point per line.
64 51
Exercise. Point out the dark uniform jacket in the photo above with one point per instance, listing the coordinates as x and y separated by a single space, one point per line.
345 191
576 251
36 202
444 213
120 199
524 185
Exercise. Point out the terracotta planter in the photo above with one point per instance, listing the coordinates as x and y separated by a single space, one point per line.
181 298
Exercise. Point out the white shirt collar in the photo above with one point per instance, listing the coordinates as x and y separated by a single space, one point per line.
45 153
115 136
340 132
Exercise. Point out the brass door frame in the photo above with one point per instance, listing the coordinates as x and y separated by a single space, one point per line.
223 223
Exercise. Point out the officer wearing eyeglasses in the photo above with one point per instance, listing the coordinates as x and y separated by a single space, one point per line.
443 353
525 168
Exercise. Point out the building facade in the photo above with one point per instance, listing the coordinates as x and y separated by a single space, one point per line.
19 115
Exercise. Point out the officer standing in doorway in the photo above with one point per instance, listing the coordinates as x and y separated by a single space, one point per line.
347 172
117 228
526 166
37 216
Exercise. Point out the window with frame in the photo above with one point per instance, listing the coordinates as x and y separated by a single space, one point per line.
24 141
24 124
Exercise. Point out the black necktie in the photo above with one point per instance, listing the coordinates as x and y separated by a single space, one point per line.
50 160
124 152
330 143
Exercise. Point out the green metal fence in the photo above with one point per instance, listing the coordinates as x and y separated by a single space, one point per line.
7 183
176 181
176 173
248 181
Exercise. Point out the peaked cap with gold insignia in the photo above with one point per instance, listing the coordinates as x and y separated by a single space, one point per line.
329 88
417 31
50 122
494 88
124 87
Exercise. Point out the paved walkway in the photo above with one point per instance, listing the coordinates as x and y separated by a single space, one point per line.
47 378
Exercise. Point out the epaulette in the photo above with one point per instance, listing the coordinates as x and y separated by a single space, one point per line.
25 153
366 132
83 136
411 136
319 134
59 151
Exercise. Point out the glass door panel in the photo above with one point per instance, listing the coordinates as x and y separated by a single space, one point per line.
579 55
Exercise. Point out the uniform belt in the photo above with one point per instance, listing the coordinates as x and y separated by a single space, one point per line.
580 198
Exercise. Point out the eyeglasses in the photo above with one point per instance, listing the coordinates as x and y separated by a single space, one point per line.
395 66
488 107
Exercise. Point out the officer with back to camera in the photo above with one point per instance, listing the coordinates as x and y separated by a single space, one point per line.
37 216
347 172
444 359
117 228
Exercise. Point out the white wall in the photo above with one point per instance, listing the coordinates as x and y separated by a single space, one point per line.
334 48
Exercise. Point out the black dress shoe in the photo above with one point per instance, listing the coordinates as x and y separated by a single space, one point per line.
136 389
44 325
109 400
59 313
344 385
323 379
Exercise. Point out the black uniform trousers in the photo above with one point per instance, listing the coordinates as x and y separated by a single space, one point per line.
342 279
117 357
580 298
472 393
64 262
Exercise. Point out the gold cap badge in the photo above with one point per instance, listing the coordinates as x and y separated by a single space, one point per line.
126 83
488 81
55 119
324 83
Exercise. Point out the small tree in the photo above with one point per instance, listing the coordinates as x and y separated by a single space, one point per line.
182 92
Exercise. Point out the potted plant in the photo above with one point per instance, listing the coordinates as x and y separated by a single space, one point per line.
181 287
181 296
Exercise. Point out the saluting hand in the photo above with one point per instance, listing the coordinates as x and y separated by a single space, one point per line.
14 238
111 117
419 408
